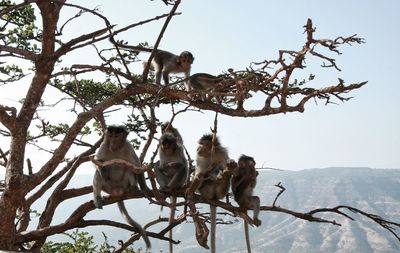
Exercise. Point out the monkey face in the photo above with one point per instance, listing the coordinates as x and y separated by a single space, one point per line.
204 148
186 59
116 137
246 162
168 144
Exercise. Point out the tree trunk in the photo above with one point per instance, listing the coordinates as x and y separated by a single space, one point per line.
16 183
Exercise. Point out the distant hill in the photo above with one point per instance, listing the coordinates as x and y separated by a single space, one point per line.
372 190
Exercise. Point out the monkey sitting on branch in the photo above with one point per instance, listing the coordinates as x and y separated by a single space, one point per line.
172 170
212 176
244 180
115 178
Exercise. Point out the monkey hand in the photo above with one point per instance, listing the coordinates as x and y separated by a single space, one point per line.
231 164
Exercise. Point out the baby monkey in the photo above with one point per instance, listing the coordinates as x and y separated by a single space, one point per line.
244 180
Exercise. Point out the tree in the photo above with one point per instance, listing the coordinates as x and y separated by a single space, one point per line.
33 52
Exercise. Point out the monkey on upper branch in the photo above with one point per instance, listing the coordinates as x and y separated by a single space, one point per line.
165 62
202 82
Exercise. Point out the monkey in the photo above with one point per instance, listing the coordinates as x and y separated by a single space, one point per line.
117 180
202 82
172 171
164 62
244 180
213 174
211 160
167 127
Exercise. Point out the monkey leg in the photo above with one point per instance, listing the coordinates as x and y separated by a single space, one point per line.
161 178
158 77
165 75
179 178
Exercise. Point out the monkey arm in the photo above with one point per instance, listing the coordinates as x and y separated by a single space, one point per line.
228 170
119 162
178 180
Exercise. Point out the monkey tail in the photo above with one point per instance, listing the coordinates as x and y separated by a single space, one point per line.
213 217
247 236
171 220
134 224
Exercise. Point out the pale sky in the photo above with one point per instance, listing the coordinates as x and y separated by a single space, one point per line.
364 131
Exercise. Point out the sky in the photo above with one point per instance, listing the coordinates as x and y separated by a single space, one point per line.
363 132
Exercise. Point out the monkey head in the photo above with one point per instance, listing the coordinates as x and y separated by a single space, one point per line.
186 59
246 162
168 143
115 137
246 168
206 144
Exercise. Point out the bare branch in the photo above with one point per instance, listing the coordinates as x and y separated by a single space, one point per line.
8 116
21 53
282 189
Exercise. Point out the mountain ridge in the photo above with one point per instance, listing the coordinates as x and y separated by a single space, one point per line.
371 190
